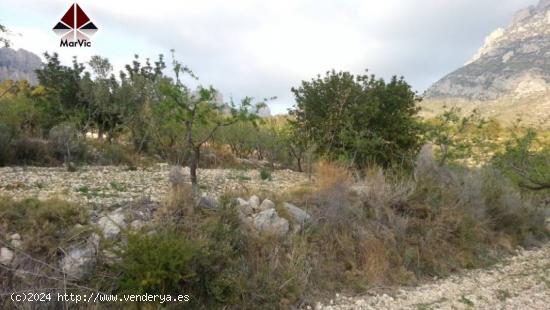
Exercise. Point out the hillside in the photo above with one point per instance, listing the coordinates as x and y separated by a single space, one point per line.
509 74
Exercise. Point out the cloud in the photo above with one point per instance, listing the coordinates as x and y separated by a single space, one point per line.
263 48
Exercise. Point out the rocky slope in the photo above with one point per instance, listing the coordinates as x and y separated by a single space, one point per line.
18 65
514 62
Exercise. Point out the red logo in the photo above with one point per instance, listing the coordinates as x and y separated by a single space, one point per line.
75 26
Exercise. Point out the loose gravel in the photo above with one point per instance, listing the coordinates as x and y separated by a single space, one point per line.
518 282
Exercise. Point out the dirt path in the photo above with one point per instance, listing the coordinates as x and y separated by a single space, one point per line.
519 282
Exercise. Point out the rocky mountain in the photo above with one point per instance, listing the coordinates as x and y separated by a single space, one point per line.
513 63
18 65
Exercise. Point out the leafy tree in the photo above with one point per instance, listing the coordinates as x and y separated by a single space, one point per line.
358 119
137 96
105 111
62 90
453 135
199 112
526 161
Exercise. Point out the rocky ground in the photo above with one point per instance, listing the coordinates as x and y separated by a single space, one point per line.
109 185
518 282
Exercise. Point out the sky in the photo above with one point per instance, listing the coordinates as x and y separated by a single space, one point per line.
263 48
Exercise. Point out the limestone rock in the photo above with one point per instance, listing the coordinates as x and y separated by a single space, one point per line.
510 56
266 205
6 256
254 202
207 202
111 224
80 260
299 216
268 221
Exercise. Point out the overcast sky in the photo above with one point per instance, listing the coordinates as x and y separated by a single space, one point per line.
262 48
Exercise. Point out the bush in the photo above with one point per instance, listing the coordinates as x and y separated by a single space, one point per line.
31 151
157 264
265 175
65 143
44 224
6 138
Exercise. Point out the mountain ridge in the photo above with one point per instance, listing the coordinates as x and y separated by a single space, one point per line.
513 62
19 65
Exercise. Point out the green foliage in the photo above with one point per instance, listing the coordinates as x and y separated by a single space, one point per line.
3 39
265 174
157 264
359 119
458 138
45 224
526 161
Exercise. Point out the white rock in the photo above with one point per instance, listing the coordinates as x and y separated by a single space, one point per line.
300 216
254 202
15 236
244 207
266 204
79 262
111 224
269 221
6 256
136 224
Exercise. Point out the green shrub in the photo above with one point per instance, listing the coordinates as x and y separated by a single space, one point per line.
157 264
45 225
30 151
265 174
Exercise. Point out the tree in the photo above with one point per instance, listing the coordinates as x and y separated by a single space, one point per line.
62 85
199 112
3 39
358 119
526 161
104 110
137 97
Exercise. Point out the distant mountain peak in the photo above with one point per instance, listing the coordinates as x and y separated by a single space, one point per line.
513 62
18 65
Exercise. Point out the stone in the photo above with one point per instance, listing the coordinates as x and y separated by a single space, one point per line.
244 207
16 241
136 224
266 204
207 202
299 216
254 202
111 224
80 261
268 221
15 236
6 256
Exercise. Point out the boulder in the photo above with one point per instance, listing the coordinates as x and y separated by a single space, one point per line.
244 207
254 202
80 260
268 221
207 202
111 224
298 215
136 224
16 241
6 256
266 205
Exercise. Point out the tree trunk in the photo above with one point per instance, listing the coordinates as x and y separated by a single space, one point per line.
193 165
299 162
100 132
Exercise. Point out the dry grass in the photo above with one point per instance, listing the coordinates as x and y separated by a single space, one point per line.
329 174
